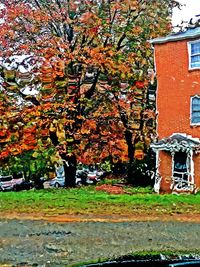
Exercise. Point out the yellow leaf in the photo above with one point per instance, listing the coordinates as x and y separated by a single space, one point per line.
35 154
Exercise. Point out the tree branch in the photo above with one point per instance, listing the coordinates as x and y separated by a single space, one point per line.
91 91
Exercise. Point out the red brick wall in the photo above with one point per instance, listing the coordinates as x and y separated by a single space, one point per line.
176 84
165 169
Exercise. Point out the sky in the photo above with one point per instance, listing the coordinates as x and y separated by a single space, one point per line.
191 8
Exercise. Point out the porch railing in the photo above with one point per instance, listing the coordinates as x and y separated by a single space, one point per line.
182 181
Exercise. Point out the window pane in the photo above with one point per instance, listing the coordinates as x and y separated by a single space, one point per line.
196 114
195 48
195 107
196 101
195 61
196 120
195 110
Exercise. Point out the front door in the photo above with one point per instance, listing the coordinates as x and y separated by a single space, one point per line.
181 171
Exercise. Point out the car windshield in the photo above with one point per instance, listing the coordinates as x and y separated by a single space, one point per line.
5 178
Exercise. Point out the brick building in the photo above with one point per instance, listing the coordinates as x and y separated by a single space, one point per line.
177 148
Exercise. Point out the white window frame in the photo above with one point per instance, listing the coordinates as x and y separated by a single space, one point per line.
191 98
190 55
180 184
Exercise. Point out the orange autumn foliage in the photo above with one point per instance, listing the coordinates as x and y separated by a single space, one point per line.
84 77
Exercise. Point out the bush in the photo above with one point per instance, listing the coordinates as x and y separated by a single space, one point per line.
142 172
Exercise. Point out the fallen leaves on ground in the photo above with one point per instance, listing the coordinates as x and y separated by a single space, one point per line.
112 189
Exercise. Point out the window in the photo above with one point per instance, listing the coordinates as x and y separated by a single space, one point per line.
180 165
195 110
194 54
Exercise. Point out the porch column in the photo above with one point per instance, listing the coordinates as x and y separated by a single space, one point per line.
157 176
191 162
172 181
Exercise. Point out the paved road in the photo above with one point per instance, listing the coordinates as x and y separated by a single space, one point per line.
61 244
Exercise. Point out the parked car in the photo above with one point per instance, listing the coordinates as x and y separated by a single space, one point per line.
84 177
17 179
24 185
39 182
93 177
19 182
81 177
102 174
97 175
57 182
6 183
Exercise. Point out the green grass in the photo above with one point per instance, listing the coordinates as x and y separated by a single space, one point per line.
86 200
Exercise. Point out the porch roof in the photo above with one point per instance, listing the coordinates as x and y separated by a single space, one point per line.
177 142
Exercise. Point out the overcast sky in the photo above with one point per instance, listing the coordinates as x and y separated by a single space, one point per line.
191 8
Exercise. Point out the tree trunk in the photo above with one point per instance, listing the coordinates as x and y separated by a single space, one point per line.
131 150
70 165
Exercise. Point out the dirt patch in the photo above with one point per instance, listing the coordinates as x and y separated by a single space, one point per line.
103 218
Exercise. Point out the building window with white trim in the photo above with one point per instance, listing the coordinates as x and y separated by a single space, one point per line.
195 110
194 54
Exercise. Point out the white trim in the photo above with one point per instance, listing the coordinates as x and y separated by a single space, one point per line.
192 123
191 166
172 155
189 54
174 147
179 183
157 176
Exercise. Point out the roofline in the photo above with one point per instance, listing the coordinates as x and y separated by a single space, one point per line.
173 38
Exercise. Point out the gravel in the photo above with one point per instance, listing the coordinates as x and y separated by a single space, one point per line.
41 243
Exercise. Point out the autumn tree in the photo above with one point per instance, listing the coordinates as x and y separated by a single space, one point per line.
74 77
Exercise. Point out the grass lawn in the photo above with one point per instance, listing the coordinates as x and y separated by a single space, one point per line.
87 200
